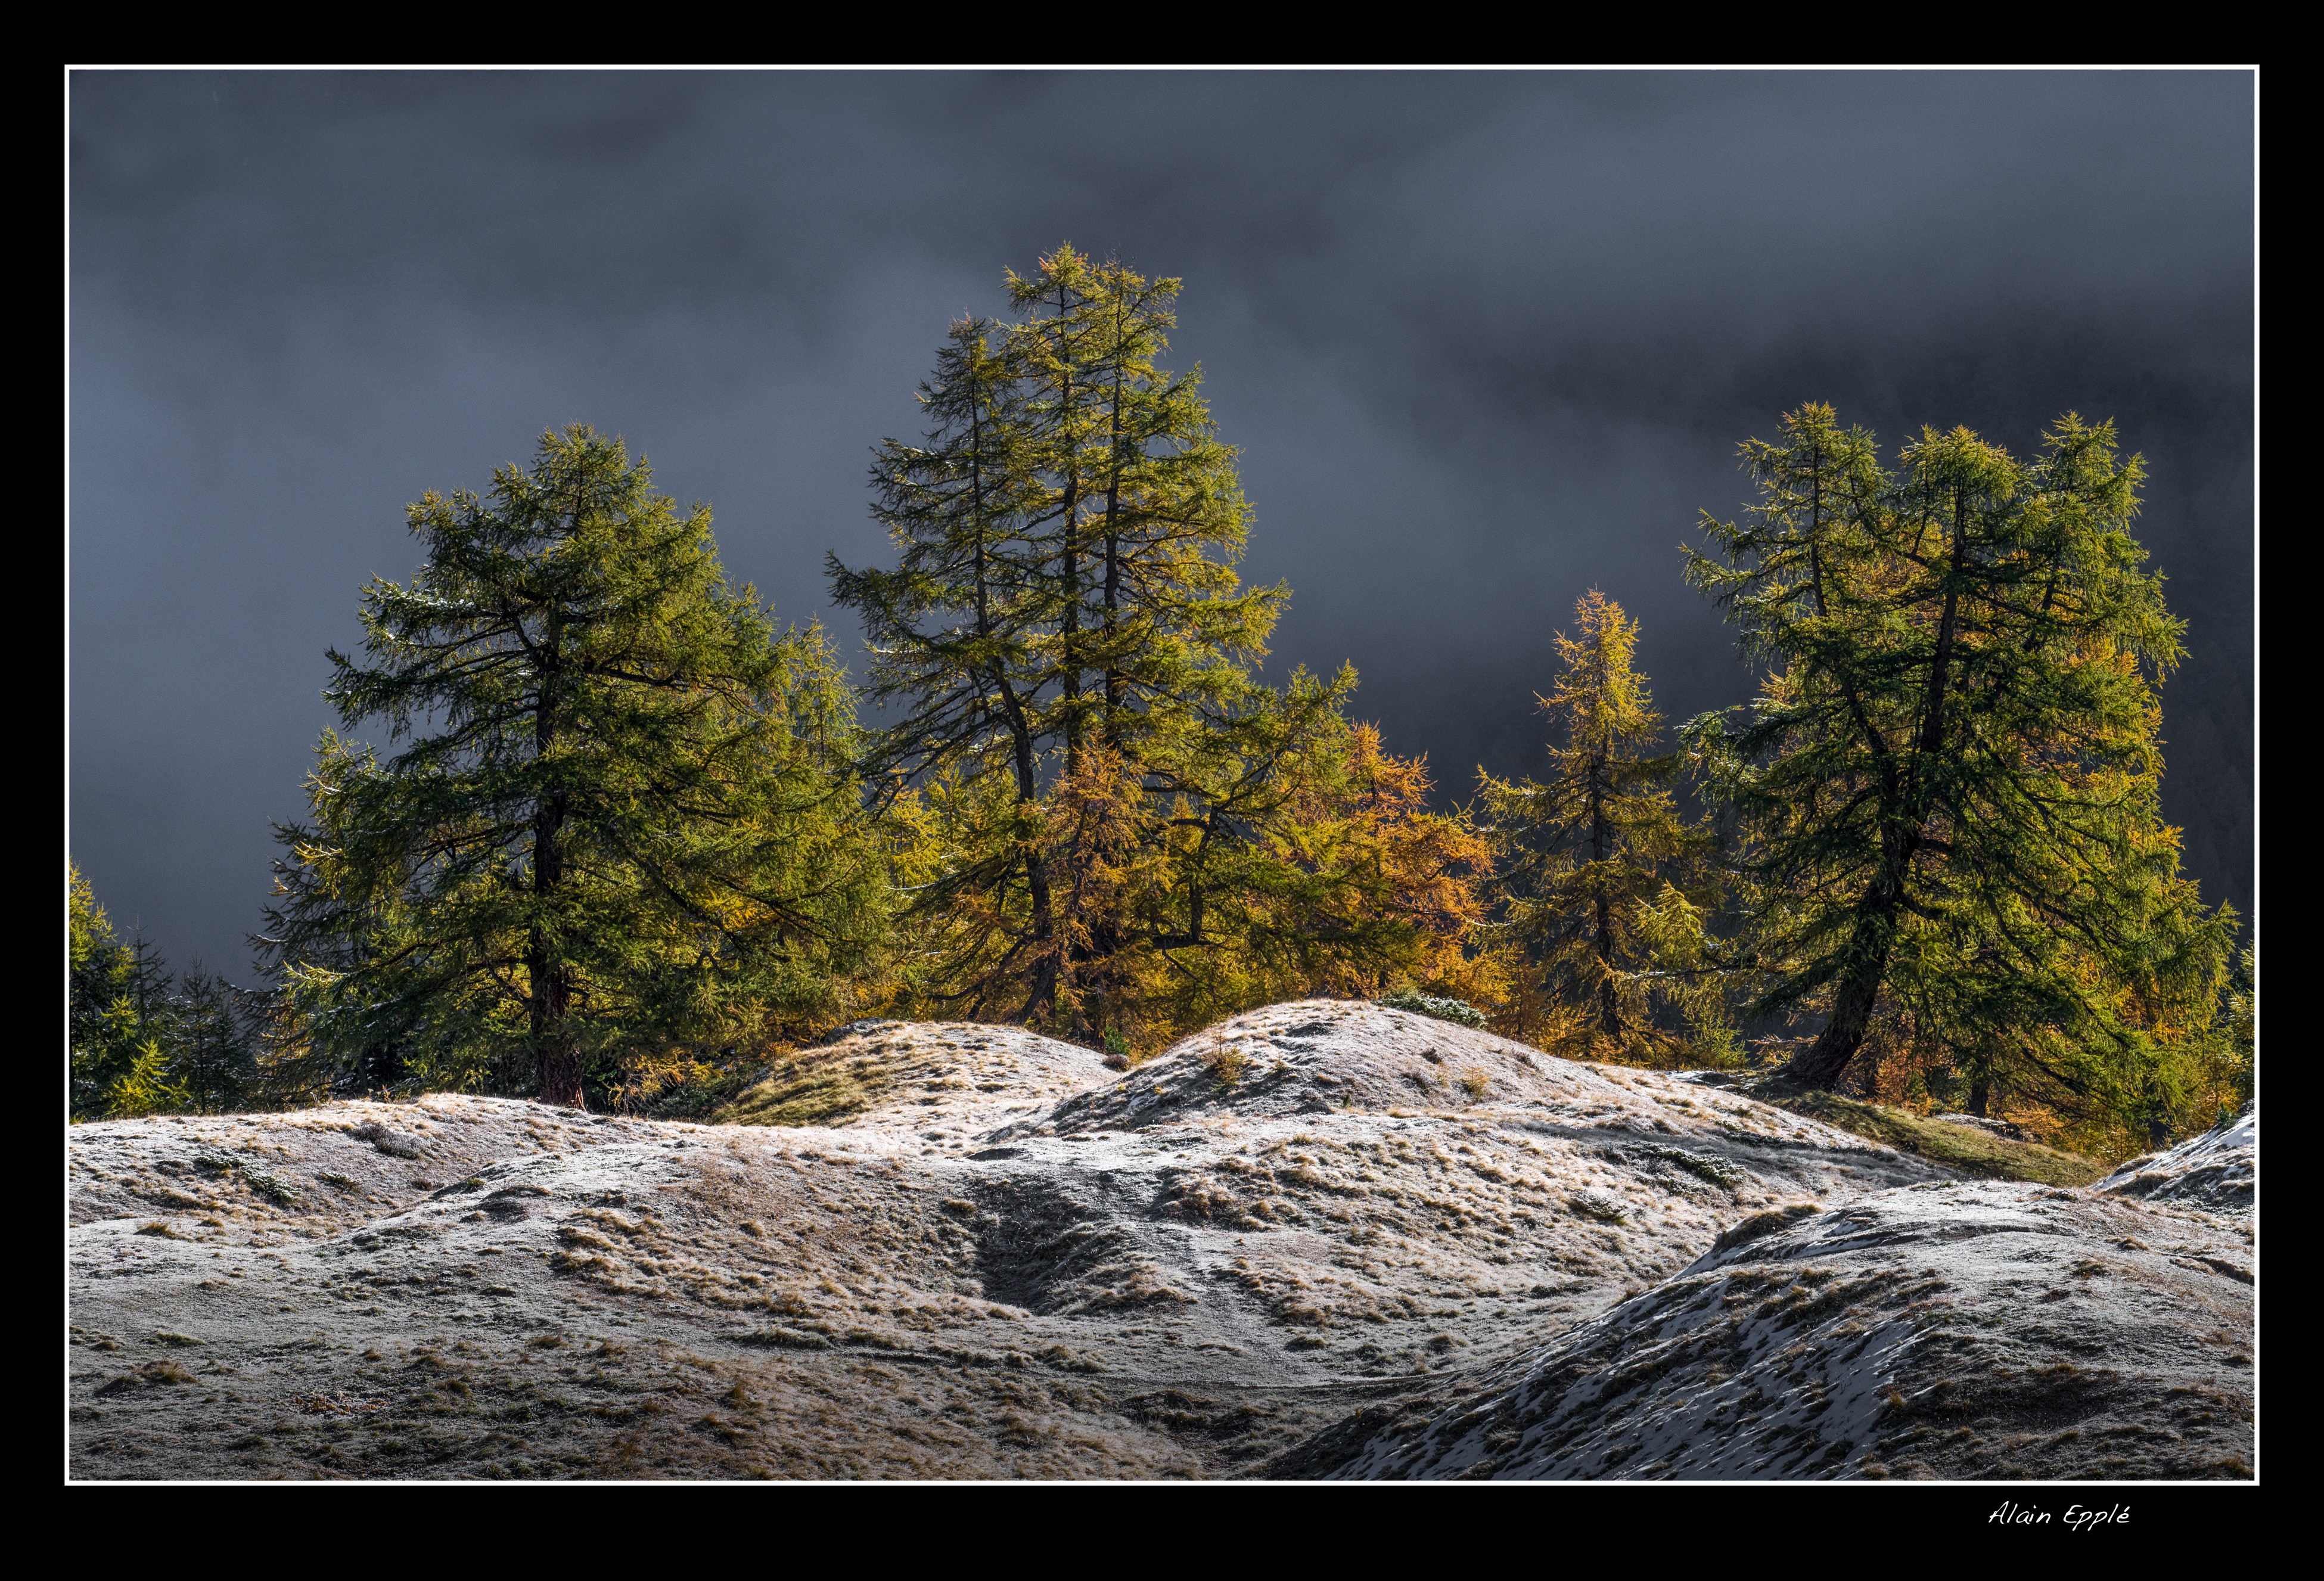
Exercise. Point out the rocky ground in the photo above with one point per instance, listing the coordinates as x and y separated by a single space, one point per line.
1318 1240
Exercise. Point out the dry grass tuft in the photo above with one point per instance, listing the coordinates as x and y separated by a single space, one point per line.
1226 1061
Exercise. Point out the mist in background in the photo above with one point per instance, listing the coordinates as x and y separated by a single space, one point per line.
1486 342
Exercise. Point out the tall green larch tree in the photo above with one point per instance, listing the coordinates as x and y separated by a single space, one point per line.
1155 639
620 812
1948 789
963 633
1069 655
1138 499
1067 533
1603 884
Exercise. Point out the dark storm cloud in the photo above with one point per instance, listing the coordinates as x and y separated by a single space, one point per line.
1486 341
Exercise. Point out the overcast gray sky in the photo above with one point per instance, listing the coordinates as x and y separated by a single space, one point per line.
1486 341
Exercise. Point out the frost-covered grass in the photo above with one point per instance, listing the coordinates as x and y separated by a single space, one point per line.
989 1254
1957 1147
1949 1330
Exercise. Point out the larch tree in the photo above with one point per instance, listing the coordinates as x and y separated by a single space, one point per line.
1066 530
1360 885
1948 791
963 631
1139 499
1603 884
1136 499
619 814
1096 774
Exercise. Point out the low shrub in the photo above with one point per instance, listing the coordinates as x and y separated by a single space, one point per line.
1459 1011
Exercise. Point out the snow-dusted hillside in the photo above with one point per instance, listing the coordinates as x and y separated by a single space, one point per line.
1962 1330
993 1257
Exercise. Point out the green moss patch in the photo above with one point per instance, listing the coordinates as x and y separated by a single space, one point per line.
1957 1147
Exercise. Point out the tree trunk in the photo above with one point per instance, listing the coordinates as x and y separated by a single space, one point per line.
560 1077
1824 1062
556 1052
1827 1060
1610 1009
1037 868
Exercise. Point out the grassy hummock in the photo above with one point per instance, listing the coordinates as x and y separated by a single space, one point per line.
814 1086
1957 1147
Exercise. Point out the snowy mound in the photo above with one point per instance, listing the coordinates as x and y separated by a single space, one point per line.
2217 1171
1960 1331
954 1250
1322 1056
946 1082
969 1252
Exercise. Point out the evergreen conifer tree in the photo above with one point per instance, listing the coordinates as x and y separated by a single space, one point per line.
1139 500
962 632
1066 531
1065 629
622 814
110 1000
1603 884
141 1043
1948 789
215 1033
1357 885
